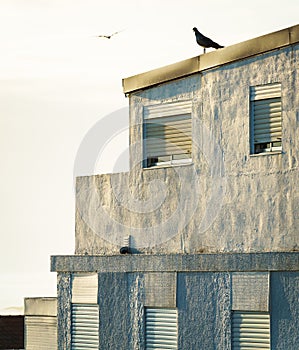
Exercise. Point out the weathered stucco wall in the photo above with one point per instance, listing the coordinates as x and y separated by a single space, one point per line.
285 310
227 200
64 299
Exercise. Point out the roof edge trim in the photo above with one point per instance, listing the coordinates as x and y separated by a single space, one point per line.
229 54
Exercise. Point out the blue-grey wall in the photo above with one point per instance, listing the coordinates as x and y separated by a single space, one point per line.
203 298
204 305
285 310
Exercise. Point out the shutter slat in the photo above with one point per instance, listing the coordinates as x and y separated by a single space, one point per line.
265 91
169 109
167 132
250 330
161 328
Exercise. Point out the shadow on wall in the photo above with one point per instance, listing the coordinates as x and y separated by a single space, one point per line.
284 310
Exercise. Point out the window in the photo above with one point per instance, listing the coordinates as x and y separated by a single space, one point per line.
251 314
161 328
167 134
85 326
85 312
266 124
250 330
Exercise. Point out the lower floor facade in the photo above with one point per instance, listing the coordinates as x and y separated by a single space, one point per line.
204 301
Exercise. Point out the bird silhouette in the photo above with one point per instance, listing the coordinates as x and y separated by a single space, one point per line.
204 41
108 36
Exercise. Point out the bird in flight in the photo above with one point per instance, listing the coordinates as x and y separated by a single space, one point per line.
204 41
108 36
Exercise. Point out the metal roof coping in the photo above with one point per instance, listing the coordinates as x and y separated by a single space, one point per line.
229 54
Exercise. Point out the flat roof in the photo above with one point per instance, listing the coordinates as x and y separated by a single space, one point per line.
245 49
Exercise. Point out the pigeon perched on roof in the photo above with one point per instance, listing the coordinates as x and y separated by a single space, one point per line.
204 41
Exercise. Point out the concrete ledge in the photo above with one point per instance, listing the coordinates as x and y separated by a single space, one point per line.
245 49
286 261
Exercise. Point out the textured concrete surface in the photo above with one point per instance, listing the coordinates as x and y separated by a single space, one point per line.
227 200
114 308
64 298
285 310
203 301
204 311
173 263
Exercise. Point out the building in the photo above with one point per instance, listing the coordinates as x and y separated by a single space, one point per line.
207 217
40 323
12 332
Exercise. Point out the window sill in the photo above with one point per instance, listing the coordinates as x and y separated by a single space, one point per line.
265 154
169 166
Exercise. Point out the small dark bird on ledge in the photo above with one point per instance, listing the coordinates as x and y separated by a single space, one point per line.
204 41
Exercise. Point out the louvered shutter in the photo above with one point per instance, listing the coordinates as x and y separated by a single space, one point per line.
167 132
266 115
41 332
250 330
168 136
85 311
85 326
85 288
161 328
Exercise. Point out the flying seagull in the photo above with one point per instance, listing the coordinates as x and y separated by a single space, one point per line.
204 41
108 36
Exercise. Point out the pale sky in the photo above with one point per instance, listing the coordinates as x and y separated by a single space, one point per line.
57 81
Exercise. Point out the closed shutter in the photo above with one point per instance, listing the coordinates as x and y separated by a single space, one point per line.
250 330
41 332
167 133
267 120
266 116
161 328
85 311
168 136
85 288
85 326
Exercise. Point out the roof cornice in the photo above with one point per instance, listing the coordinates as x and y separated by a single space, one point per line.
229 54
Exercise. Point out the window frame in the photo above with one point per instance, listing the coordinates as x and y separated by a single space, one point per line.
181 110
84 301
262 93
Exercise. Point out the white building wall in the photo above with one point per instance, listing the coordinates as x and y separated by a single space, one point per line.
227 200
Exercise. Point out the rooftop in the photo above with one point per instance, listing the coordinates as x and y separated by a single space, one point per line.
245 49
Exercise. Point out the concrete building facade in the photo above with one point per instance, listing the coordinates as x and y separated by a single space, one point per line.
207 216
